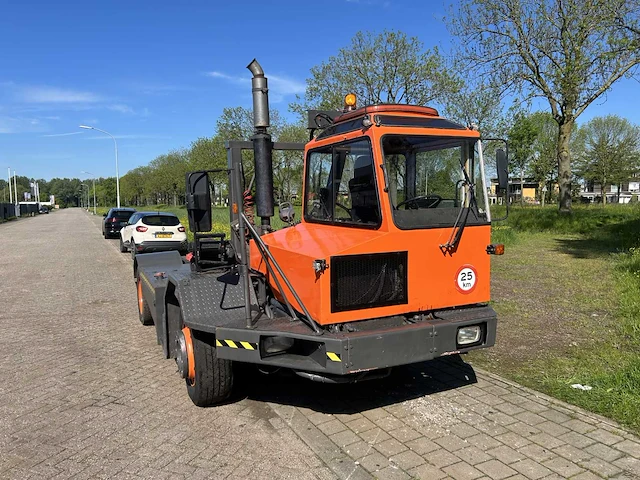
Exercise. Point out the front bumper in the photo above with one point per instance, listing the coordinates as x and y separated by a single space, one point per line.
369 349
162 246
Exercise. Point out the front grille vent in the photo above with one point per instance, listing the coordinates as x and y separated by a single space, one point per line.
366 281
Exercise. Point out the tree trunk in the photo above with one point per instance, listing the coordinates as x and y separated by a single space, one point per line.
564 165
522 185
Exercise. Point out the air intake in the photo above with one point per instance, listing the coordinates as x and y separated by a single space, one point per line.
367 281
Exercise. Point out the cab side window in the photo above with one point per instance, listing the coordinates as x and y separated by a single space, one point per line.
341 186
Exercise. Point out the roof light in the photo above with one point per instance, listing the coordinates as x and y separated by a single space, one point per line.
349 102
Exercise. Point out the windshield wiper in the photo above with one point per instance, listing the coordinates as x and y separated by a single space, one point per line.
461 221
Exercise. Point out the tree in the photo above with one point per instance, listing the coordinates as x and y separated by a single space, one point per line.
543 166
569 52
379 68
522 136
611 151
287 165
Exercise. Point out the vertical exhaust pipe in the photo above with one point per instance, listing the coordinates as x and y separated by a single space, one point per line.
262 146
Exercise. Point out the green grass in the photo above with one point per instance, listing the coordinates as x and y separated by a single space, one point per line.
592 258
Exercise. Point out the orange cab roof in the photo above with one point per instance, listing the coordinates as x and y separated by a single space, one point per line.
413 110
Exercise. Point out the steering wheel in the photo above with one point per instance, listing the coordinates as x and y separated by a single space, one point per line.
348 210
436 200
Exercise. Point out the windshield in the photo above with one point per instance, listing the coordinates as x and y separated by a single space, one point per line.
341 187
430 179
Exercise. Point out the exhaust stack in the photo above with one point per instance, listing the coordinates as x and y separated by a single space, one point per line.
262 146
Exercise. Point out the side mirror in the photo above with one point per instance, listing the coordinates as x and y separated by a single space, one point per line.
287 212
104 215
502 169
198 202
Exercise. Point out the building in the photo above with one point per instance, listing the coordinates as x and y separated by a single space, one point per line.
529 189
591 192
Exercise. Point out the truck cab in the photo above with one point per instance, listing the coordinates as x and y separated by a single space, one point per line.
395 213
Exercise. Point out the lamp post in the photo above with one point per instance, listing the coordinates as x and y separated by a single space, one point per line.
94 190
81 193
116 145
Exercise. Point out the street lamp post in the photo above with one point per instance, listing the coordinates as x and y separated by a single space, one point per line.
116 145
81 190
94 190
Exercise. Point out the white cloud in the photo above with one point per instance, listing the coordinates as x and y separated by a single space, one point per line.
286 86
62 134
18 124
121 108
45 94
130 136
279 86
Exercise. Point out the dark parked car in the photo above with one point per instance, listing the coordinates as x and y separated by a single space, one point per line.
115 220
43 209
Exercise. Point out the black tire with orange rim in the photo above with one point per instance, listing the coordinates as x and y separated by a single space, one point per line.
144 313
213 378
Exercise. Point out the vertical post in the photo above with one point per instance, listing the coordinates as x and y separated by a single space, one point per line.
15 195
10 189
117 173
94 195
234 156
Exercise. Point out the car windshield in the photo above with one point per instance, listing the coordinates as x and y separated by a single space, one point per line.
431 178
161 220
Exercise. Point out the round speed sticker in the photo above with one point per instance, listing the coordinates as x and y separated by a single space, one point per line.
466 279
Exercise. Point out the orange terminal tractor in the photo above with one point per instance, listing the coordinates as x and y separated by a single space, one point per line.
388 265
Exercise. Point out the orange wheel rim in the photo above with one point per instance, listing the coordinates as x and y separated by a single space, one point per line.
191 374
140 298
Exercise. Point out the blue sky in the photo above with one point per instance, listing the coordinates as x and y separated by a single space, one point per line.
158 74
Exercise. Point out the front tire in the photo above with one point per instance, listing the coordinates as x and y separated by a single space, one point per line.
144 313
213 379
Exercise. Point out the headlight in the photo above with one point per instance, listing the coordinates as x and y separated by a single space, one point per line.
469 335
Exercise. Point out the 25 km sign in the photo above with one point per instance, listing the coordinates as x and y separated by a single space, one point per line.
466 279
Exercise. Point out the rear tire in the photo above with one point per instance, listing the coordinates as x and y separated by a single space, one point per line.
123 248
132 247
213 377
144 313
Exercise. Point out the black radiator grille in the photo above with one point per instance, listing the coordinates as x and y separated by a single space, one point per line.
365 281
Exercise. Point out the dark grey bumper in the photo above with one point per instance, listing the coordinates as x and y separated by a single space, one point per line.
358 351
162 246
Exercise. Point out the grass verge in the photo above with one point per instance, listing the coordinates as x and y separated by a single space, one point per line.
567 293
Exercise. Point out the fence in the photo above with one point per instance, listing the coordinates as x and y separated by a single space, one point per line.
7 210
28 209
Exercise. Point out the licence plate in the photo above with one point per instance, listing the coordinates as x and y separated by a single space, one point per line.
122 224
163 235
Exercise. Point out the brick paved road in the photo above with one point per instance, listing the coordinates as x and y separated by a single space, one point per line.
85 393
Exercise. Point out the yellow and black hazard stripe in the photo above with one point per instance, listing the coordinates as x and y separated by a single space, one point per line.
236 344
334 357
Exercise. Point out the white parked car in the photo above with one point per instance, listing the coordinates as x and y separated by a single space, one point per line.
153 232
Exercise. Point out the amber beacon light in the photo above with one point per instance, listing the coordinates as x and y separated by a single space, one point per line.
349 102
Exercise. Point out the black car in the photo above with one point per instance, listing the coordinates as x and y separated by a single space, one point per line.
43 209
115 220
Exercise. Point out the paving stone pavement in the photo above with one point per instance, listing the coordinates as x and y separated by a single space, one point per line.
85 393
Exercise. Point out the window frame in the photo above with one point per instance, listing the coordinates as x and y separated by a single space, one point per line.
349 224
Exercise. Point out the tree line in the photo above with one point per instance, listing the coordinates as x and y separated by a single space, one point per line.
503 55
